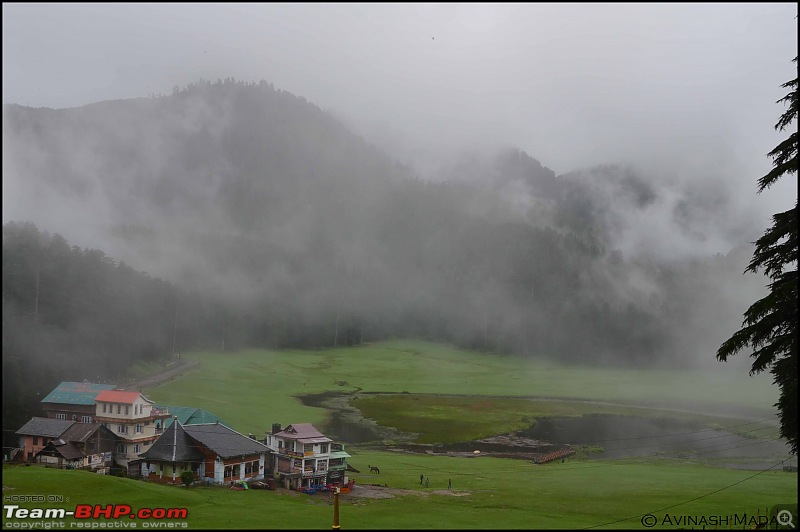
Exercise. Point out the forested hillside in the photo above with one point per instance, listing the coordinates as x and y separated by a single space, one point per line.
262 221
72 314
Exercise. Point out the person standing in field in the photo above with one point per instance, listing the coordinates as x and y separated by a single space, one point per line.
421 477
449 483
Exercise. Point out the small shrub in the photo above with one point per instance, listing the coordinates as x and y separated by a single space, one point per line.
187 477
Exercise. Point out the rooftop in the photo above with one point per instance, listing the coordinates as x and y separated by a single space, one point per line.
188 415
174 445
80 432
116 396
305 432
45 426
76 393
67 449
225 441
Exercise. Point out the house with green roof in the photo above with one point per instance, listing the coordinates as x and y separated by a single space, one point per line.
74 401
187 415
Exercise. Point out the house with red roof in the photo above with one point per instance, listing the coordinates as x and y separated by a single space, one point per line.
133 418
303 457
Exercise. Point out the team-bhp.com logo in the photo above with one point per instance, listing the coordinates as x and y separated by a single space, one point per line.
94 511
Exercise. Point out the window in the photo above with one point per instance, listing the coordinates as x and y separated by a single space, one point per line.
135 410
119 409
127 409
74 417
104 407
137 448
61 416
228 471
323 448
86 419
139 429
120 448
36 440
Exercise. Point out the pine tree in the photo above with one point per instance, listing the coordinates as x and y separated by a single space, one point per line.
770 324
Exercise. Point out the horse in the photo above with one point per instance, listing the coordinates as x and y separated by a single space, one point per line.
374 469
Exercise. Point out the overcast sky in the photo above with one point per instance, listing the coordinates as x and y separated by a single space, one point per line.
686 87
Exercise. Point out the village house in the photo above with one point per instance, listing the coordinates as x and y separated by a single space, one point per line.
303 457
228 455
133 418
81 446
225 456
171 454
73 401
130 421
38 432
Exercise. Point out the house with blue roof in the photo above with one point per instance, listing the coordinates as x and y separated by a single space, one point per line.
74 401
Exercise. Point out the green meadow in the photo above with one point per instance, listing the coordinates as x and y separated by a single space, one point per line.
252 389
487 493
440 394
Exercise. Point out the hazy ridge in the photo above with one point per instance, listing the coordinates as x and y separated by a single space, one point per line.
276 226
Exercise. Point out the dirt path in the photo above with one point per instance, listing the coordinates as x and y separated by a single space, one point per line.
382 492
177 368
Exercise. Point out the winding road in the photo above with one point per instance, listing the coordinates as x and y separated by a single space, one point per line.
154 379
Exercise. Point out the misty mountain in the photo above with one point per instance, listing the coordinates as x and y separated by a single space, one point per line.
293 231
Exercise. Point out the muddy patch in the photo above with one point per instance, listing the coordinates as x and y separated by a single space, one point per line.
385 492
373 492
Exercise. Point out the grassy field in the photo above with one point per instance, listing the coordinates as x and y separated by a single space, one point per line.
452 395
453 419
487 493
250 390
